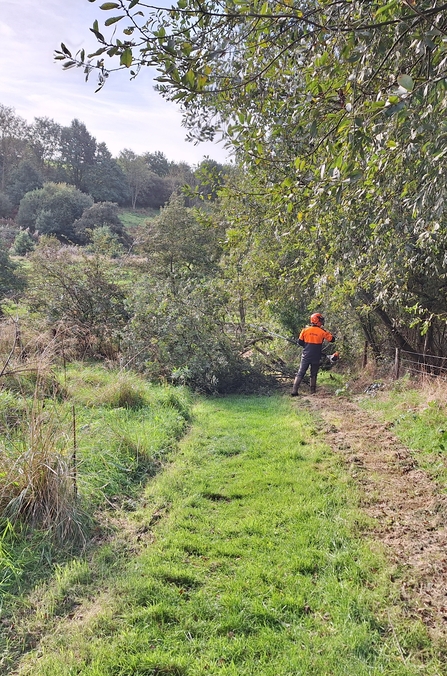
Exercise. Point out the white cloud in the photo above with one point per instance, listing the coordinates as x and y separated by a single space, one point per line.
125 114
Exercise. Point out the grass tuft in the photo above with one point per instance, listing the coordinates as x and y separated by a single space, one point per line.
37 477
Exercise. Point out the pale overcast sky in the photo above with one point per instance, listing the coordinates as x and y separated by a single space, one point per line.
125 114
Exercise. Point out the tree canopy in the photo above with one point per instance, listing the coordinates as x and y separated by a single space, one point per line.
336 112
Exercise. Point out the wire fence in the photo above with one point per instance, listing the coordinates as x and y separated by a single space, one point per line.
418 363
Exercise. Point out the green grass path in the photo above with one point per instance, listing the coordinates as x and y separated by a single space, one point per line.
260 565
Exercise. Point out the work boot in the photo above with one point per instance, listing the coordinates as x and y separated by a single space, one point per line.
313 385
296 385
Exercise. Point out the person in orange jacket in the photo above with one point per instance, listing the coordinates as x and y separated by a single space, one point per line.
311 340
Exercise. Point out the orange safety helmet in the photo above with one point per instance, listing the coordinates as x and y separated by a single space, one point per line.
317 319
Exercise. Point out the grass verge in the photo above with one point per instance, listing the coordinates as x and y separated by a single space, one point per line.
73 465
417 414
258 562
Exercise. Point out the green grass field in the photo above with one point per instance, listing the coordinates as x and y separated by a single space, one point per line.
259 562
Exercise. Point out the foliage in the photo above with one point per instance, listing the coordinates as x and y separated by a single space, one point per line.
53 210
105 242
6 206
146 187
136 171
181 240
105 180
10 280
101 214
22 180
8 232
155 192
209 178
178 331
44 140
79 293
12 143
23 244
328 106
78 149
158 163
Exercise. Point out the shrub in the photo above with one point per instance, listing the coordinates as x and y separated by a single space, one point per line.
80 296
98 216
23 244
10 281
23 179
53 209
177 332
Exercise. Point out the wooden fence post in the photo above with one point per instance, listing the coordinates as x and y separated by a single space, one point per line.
74 456
397 363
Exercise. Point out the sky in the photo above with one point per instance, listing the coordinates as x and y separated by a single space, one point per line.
124 114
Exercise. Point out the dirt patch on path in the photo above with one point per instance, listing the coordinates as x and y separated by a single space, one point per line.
408 508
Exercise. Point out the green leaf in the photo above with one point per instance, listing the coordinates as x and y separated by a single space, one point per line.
300 164
65 50
109 5
190 78
386 8
133 3
126 58
265 9
113 20
406 81
394 109
98 52
95 31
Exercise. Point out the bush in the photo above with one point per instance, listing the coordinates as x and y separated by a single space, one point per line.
23 244
23 179
53 209
10 281
79 295
100 215
8 232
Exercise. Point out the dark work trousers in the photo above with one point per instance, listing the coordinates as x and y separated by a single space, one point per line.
304 365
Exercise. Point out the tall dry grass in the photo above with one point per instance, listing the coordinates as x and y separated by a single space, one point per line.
38 475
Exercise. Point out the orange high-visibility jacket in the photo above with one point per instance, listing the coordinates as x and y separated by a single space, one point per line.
311 339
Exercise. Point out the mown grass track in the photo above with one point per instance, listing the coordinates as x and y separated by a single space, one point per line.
260 564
